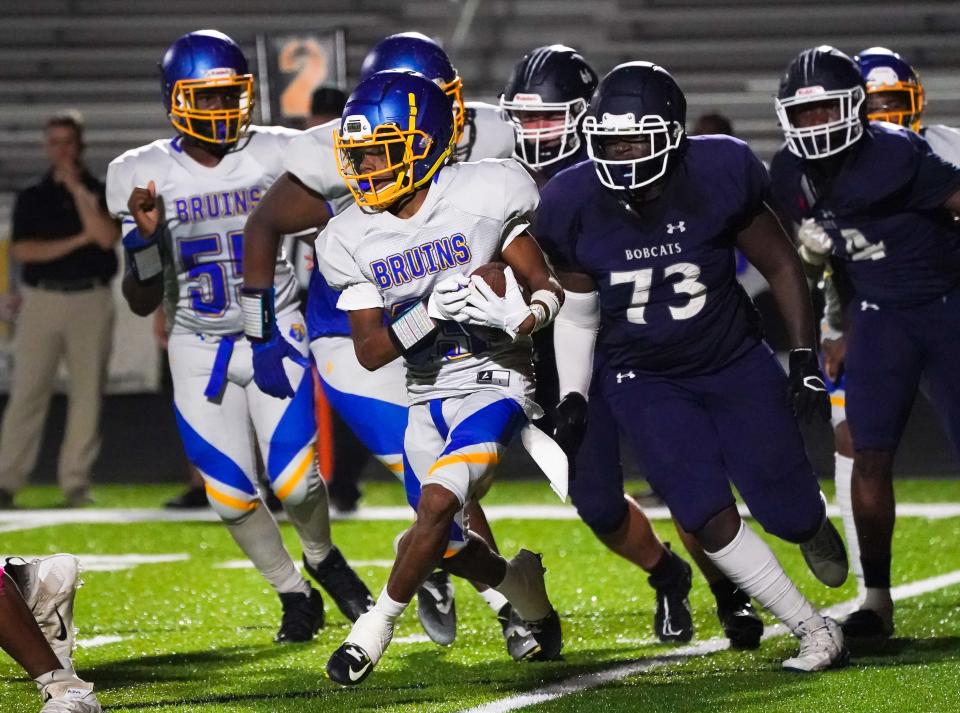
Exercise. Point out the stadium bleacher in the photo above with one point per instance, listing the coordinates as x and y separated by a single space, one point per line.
100 55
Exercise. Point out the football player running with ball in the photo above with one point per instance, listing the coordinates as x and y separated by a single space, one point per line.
879 203
373 404
183 204
546 100
643 239
401 257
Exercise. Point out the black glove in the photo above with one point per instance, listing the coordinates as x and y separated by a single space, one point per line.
570 423
807 394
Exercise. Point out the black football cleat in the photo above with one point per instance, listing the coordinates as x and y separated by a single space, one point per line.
349 665
739 620
302 617
867 624
672 620
548 635
521 644
343 585
437 609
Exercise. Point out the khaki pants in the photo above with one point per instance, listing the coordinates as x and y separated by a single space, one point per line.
77 326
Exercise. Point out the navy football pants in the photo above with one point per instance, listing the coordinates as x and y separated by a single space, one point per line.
693 436
888 350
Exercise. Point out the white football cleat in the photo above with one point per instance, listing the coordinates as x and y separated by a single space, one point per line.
821 646
69 695
533 603
49 585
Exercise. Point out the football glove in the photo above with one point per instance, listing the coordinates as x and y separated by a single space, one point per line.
815 244
485 309
268 372
570 423
449 297
807 393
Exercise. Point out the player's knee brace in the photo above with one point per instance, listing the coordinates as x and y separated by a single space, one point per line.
602 512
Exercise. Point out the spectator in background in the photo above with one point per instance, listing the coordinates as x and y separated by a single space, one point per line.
326 104
713 123
64 239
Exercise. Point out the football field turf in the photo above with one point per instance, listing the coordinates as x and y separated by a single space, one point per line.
170 619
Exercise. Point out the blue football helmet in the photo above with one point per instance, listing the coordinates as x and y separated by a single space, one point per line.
395 134
196 66
418 53
545 100
825 77
894 90
638 104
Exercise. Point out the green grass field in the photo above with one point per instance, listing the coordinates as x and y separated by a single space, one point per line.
190 635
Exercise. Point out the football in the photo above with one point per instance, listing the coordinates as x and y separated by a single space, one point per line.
492 274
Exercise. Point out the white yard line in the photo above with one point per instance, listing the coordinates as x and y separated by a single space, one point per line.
583 682
12 520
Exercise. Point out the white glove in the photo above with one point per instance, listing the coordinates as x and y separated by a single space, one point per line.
449 297
484 308
815 244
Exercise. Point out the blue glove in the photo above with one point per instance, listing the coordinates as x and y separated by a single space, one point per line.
268 371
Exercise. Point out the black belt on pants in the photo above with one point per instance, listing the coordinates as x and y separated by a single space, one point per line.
87 283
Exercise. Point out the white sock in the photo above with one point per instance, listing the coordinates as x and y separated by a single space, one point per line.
843 475
259 537
530 602
494 599
388 608
752 566
311 518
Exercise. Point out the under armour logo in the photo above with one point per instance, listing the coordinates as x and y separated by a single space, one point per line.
864 306
585 75
679 226
625 375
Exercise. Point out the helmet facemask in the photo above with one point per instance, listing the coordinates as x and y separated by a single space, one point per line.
544 145
454 90
394 153
827 138
898 102
634 171
223 125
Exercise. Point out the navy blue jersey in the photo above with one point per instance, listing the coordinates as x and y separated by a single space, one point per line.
669 297
883 209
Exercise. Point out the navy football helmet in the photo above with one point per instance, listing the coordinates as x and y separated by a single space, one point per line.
198 65
418 53
821 78
894 90
634 126
545 100
395 134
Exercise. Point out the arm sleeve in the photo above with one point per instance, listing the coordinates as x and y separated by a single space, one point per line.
574 336
520 201
363 295
934 180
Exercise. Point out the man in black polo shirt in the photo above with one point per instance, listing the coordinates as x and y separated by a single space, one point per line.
64 239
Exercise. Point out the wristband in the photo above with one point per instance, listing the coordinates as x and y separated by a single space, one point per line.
146 262
259 313
544 305
412 329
